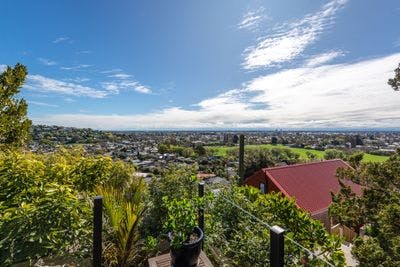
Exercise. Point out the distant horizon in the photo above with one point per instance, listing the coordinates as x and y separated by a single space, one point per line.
393 129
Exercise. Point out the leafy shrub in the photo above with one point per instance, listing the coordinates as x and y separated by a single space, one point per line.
175 182
182 218
43 206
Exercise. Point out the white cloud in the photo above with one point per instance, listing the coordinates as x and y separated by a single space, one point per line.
47 62
123 81
341 95
44 84
252 19
63 39
323 58
142 89
290 40
111 71
77 67
121 76
117 85
42 104
77 79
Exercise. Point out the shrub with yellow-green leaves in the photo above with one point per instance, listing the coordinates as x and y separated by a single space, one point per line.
44 207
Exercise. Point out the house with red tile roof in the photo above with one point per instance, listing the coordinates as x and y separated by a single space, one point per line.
310 184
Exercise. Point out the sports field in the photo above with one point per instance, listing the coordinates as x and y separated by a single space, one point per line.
222 150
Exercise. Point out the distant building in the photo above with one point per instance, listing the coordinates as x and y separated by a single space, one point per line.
309 184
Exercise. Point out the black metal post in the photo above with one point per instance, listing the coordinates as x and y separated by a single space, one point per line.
241 158
277 239
97 228
201 211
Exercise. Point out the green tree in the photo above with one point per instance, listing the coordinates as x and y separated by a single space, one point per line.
395 82
257 158
378 209
334 154
14 125
200 150
311 156
274 140
355 159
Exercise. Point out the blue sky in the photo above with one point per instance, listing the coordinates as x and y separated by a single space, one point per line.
206 64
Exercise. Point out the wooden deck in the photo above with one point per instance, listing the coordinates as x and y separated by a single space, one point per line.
165 261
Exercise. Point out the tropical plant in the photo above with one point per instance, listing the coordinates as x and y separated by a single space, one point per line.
182 219
124 208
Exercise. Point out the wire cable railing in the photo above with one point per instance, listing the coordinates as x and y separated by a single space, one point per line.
314 256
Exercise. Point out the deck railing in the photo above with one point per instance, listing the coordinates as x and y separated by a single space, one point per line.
277 238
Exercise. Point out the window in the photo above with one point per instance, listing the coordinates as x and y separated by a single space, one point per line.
262 188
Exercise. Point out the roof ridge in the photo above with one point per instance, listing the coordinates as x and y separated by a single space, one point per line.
301 164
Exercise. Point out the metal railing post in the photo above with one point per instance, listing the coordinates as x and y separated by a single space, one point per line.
97 228
201 211
277 239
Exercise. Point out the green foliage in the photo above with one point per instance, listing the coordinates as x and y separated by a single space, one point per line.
38 217
395 82
237 239
186 152
257 158
43 205
175 182
200 150
274 140
311 156
378 208
182 219
355 159
14 125
124 208
334 154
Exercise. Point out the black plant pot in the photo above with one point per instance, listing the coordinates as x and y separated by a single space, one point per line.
188 254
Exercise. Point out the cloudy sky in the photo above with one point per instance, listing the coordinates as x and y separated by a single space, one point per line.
206 64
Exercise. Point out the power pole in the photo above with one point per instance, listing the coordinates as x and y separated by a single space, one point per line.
241 158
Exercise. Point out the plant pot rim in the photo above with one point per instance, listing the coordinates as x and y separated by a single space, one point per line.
198 231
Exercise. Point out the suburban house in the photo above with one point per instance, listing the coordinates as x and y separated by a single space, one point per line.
310 184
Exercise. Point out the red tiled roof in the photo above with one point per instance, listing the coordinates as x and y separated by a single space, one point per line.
310 184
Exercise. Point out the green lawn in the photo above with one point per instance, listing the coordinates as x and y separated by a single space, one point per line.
222 150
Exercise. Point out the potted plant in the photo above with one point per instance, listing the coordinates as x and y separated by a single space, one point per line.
184 235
